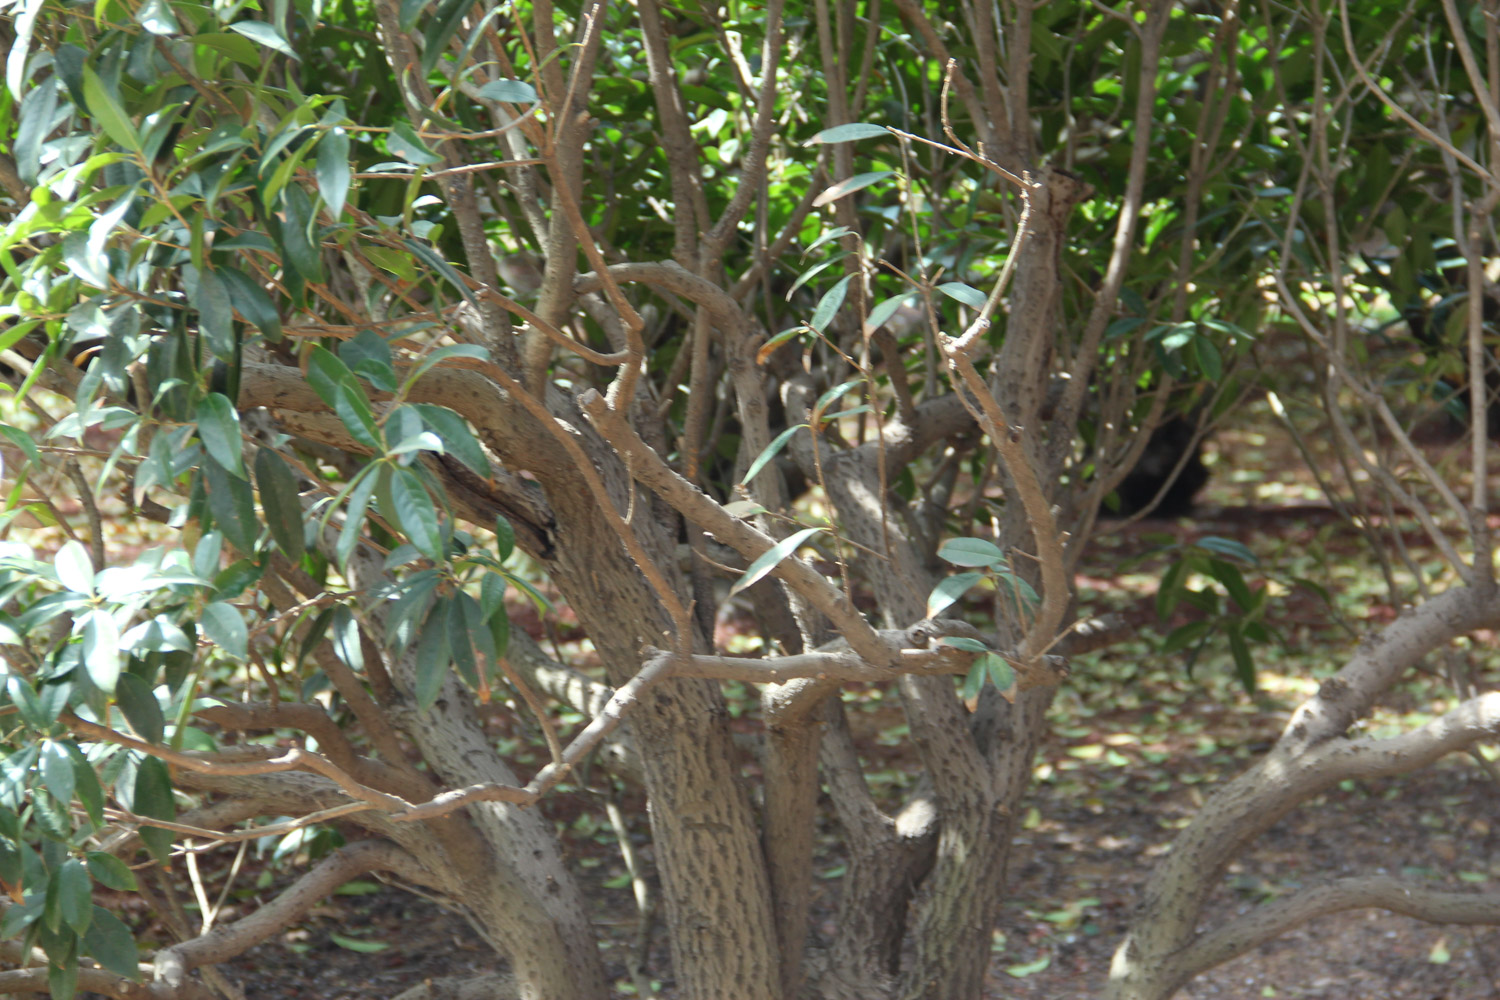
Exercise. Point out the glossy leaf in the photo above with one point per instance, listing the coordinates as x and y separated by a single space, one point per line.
219 430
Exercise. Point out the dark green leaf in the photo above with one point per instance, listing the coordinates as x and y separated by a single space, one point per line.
112 945
457 438
219 430
333 169
279 500
971 552
225 628
432 654
232 505
110 872
409 504
153 798
142 711
216 315
74 889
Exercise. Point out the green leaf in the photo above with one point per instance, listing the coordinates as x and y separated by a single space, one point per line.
157 18
432 654
353 409
137 701
232 505
1000 673
74 567
57 772
403 141
409 504
354 944
771 558
456 436
1186 635
101 648
827 237
333 169
216 315
112 945
883 312
1030 968
510 91
965 643
297 235
219 430
325 373
770 452
505 537
104 106
279 500
1228 547
828 305
74 889
949 590
263 34
1229 575
850 185
437 263
153 798
225 628
250 300
972 552
1244 663
848 133
960 292
110 872
831 396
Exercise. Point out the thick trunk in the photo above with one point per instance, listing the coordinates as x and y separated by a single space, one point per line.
714 883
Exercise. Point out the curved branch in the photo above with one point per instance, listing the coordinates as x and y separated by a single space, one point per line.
1382 658
1384 892
222 943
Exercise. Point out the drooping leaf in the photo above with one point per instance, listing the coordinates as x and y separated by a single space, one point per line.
432 654
219 430
960 292
850 185
225 628
828 305
848 133
112 944
771 558
101 648
153 798
770 452
510 91
971 552
279 499
104 105
333 169
949 590
264 34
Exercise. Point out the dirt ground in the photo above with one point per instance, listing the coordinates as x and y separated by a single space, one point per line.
1076 871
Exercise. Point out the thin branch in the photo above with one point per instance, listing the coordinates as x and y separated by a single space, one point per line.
1384 892
173 964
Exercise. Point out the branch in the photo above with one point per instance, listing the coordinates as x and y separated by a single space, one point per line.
646 467
583 744
1382 658
1270 920
229 940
